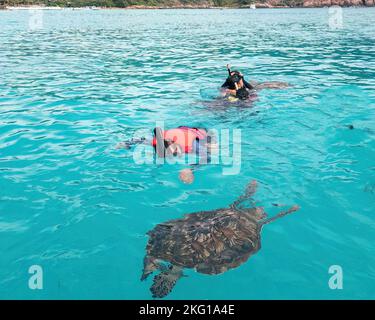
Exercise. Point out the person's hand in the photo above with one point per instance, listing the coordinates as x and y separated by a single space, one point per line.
223 92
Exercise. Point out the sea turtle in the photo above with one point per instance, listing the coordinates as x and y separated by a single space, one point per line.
211 242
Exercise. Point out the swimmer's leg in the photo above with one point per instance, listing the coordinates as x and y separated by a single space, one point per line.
127 144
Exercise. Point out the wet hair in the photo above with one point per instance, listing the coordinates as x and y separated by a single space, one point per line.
236 72
231 81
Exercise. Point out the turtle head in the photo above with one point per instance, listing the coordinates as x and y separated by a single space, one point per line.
256 212
259 213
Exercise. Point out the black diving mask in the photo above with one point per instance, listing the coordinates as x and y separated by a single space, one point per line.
233 80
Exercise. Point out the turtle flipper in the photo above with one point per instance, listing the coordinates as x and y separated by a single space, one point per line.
165 281
251 188
280 214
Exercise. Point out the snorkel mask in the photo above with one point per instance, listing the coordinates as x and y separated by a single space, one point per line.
235 78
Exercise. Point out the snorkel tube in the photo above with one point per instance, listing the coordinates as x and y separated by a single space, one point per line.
228 68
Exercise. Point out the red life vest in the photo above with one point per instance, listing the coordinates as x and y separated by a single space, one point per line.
184 136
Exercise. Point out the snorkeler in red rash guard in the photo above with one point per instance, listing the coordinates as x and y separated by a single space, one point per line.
176 142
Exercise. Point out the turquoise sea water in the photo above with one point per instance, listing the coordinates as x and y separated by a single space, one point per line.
75 86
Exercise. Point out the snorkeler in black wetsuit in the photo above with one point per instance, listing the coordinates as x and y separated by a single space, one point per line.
236 85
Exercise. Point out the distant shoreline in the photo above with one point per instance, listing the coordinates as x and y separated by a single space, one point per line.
141 7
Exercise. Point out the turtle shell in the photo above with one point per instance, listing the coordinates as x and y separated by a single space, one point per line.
209 241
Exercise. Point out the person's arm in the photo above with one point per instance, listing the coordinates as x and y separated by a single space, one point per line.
225 92
127 144
230 91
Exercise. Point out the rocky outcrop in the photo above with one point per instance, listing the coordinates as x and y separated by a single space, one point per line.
262 5
200 4
341 3
314 3
276 3
369 3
